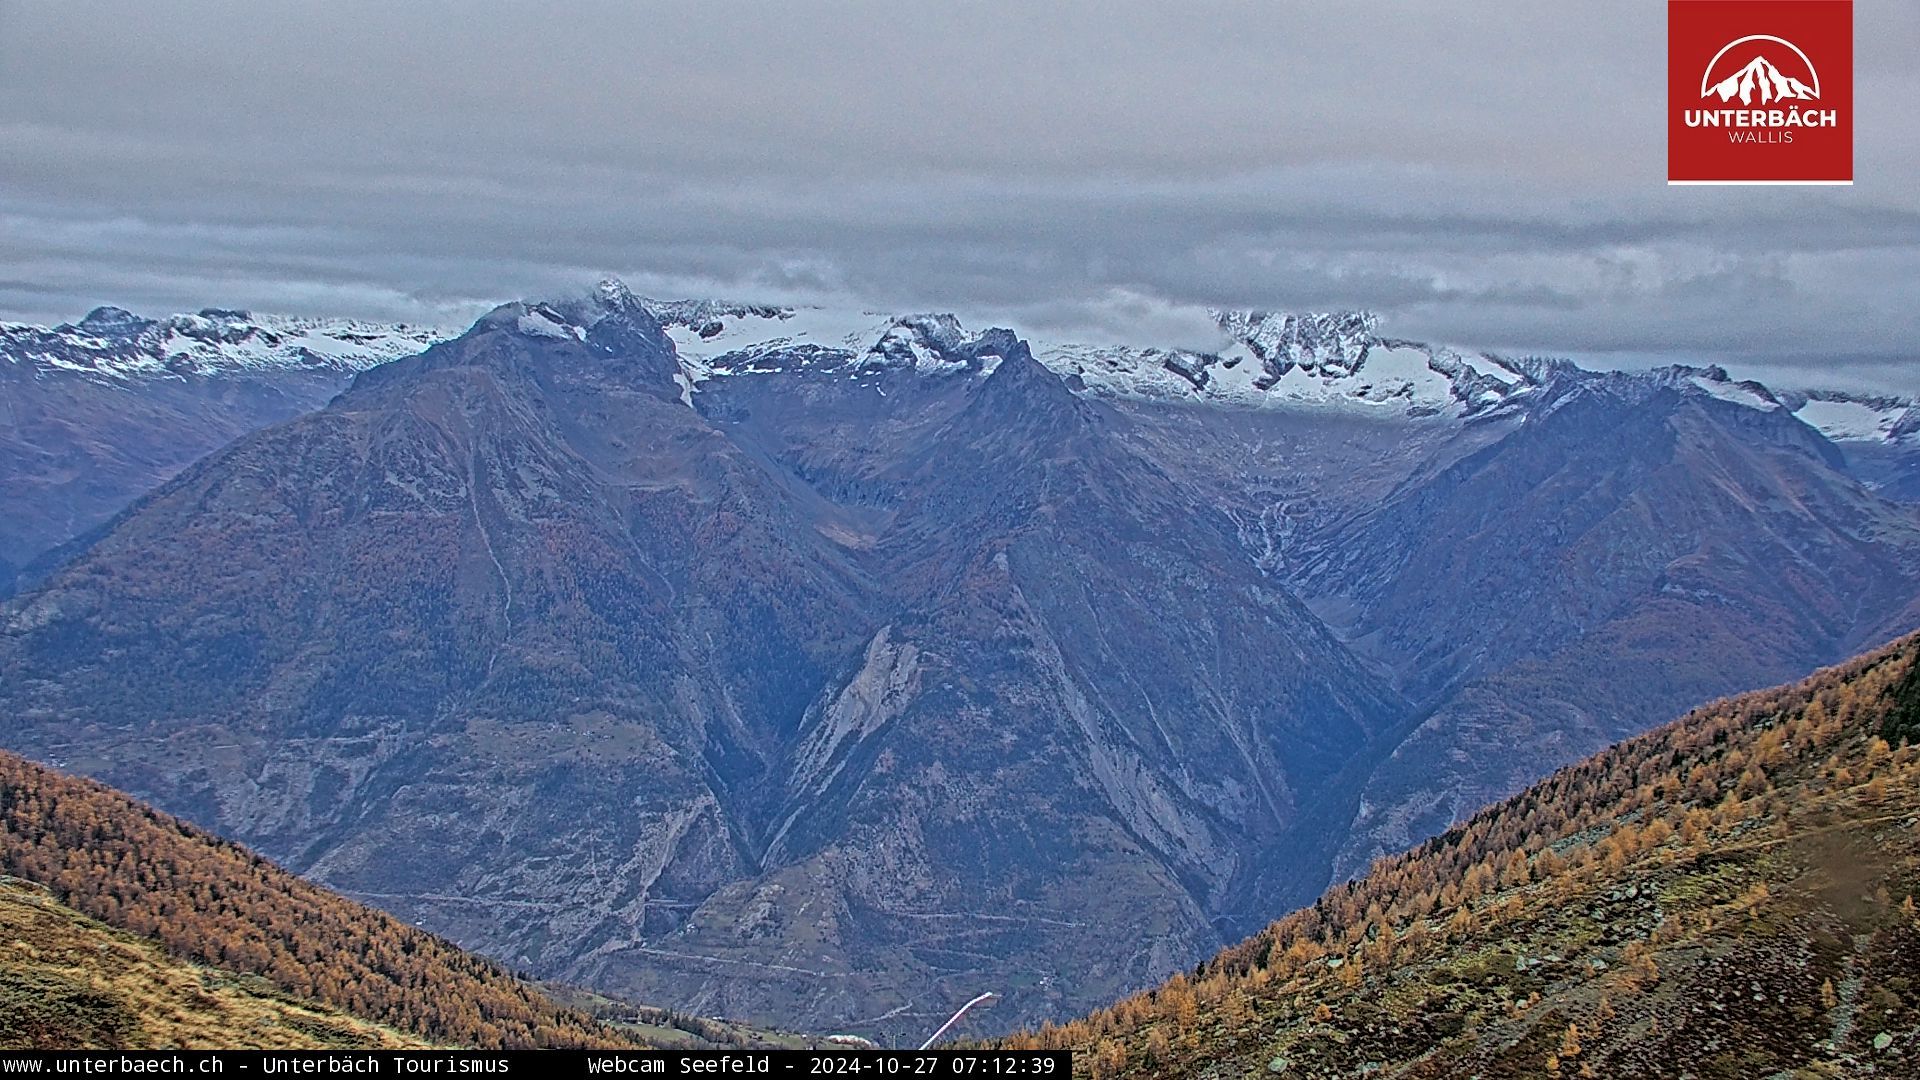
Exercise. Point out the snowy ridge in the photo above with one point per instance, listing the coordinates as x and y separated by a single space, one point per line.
1841 416
709 318
1715 382
1265 359
115 344
1314 359
1846 417
1380 378
718 340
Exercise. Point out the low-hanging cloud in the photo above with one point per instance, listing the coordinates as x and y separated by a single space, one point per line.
1490 177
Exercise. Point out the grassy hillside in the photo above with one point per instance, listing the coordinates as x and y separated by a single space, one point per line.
1729 896
71 982
212 902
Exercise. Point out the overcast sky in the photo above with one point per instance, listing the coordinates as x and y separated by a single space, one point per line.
1488 174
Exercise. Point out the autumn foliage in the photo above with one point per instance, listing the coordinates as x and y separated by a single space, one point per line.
214 902
1744 774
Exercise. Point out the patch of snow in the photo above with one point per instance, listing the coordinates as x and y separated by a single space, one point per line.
1844 418
1493 368
1739 393
703 336
1403 373
538 323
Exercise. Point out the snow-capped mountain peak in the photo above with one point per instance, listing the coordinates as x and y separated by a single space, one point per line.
1265 359
709 318
111 321
1714 381
717 339
113 343
612 293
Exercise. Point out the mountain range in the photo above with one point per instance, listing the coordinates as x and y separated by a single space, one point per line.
99 412
95 414
827 668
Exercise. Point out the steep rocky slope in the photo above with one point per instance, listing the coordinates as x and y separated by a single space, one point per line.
1729 896
1013 769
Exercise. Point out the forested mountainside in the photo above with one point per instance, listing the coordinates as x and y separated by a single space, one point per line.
97 852
71 982
1731 895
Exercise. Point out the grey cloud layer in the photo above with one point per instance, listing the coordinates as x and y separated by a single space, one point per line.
1493 177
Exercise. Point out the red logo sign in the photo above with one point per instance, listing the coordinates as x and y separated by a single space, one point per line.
1760 91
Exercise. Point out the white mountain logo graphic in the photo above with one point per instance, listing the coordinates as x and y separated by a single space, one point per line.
1760 81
